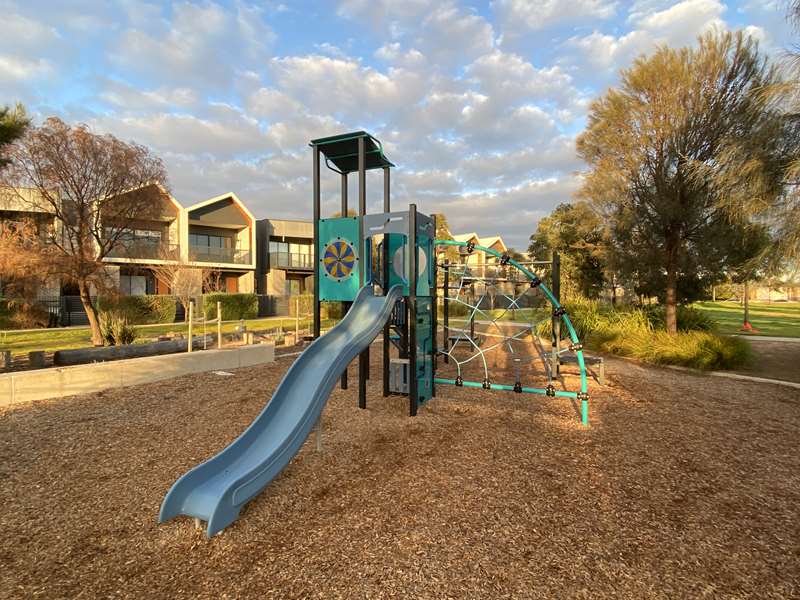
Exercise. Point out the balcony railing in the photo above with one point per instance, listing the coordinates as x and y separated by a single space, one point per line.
219 255
144 249
290 260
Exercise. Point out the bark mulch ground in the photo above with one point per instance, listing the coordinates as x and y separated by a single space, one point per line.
683 486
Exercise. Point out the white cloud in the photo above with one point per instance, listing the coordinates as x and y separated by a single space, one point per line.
21 69
201 45
520 16
336 86
677 25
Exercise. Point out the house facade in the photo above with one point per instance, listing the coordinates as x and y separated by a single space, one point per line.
479 262
217 235
285 257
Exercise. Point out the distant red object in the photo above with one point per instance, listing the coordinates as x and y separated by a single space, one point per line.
749 328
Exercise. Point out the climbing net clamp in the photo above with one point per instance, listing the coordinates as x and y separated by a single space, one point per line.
550 390
536 282
559 312
486 384
459 381
505 259
470 247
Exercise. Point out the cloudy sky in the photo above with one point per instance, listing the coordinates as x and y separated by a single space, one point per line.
478 103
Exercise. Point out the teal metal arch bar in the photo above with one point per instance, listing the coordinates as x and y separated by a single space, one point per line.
573 336
507 388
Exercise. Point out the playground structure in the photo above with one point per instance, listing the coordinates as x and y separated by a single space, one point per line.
397 253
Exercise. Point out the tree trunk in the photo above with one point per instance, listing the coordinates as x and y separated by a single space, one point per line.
746 304
91 313
671 303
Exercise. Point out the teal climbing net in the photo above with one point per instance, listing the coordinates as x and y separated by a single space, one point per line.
502 327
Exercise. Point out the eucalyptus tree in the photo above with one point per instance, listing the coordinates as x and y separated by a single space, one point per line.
685 152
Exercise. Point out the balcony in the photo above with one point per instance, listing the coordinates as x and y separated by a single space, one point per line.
144 249
290 260
213 254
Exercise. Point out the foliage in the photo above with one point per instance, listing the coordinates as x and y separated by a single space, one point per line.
306 304
689 318
640 333
140 310
682 155
95 186
116 330
443 233
576 233
234 306
13 123
693 349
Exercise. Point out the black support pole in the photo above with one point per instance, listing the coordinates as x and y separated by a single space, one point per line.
446 309
363 358
385 283
413 391
434 309
317 259
345 305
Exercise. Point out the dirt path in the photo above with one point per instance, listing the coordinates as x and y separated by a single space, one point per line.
682 487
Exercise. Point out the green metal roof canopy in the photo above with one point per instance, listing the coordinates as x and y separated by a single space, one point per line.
341 152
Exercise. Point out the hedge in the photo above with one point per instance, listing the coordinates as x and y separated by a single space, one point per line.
234 306
140 310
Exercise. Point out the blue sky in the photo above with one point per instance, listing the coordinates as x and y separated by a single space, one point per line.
478 103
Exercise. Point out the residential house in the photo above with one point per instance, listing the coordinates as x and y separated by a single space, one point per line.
217 234
285 259
480 262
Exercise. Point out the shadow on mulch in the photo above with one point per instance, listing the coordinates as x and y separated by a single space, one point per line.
681 487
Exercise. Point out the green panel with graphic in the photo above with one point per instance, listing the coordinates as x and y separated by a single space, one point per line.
339 265
424 349
398 259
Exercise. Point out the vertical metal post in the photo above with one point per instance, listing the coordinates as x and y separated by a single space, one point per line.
345 305
219 324
556 322
191 319
316 202
387 329
413 270
446 307
363 358
434 308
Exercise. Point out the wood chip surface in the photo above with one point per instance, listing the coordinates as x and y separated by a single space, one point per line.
683 486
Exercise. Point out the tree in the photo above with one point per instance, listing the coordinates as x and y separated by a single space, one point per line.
24 268
185 281
576 233
449 253
96 187
12 125
684 152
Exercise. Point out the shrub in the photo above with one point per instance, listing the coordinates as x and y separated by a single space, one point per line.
331 310
140 310
306 304
638 333
234 306
689 318
115 329
695 349
22 315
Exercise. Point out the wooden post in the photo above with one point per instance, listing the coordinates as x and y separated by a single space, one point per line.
191 318
219 324
297 319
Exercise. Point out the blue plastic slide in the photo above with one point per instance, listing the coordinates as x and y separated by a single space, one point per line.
216 490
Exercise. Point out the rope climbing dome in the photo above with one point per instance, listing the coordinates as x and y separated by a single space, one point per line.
478 331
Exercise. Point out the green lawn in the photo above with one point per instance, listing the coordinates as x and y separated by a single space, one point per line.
780 319
62 339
